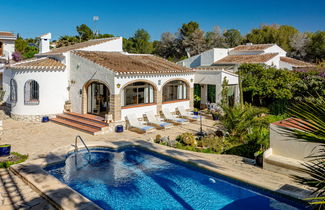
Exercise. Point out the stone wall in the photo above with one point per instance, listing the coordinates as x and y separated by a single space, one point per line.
30 118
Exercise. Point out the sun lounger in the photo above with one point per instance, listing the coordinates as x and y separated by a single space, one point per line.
154 121
183 113
134 123
171 118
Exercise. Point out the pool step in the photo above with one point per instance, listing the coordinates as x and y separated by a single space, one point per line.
85 123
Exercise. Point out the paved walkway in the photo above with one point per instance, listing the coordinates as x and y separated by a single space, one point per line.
15 194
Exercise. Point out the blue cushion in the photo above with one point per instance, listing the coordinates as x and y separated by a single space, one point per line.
146 128
181 120
164 124
194 117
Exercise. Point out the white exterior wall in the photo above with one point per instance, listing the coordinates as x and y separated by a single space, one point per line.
285 65
8 48
172 106
289 147
274 62
276 49
210 56
109 46
191 62
82 71
52 91
138 111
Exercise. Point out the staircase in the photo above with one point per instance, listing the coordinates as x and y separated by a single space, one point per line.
86 123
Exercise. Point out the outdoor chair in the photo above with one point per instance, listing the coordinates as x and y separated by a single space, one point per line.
172 118
183 113
134 123
154 121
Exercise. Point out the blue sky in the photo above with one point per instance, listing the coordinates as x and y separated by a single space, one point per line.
31 18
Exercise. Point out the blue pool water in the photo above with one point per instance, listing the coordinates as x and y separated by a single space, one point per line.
132 178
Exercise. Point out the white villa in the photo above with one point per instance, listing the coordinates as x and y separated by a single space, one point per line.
96 77
268 54
7 47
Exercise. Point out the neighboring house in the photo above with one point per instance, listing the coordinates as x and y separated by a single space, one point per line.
269 54
213 65
97 78
7 47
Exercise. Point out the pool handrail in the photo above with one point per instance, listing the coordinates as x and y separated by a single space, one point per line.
76 146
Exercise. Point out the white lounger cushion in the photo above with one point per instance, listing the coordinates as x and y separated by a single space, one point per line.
172 118
133 121
153 120
186 114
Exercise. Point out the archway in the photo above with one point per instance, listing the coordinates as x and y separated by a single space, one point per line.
1 48
98 99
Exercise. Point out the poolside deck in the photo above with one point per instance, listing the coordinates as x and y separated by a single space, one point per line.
42 140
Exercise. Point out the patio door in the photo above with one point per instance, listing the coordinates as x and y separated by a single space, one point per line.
98 99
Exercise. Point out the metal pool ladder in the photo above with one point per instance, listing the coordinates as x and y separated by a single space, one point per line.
76 145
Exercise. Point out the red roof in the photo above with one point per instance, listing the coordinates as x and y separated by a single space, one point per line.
292 123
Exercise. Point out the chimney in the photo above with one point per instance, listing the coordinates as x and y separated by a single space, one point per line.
44 45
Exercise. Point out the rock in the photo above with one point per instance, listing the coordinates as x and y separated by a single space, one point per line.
164 139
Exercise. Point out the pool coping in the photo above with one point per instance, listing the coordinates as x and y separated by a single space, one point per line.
62 196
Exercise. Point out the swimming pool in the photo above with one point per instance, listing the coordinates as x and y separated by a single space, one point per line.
134 178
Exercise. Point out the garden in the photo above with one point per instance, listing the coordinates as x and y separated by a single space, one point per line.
243 128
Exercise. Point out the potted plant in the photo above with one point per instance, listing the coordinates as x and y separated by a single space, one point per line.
259 158
196 111
5 150
215 115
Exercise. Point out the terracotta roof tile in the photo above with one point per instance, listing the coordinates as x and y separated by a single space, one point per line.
238 59
293 123
123 63
295 62
39 63
78 46
7 34
253 47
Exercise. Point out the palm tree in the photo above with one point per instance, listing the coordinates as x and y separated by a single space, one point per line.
312 123
239 120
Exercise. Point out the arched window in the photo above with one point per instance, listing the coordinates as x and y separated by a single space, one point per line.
175 90
138 93
31 92
13 91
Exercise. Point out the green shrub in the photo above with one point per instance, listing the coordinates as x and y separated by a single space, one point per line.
215 143
275 118
8 163
259 136
245 150
187 139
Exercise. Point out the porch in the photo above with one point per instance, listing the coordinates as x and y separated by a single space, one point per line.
208 86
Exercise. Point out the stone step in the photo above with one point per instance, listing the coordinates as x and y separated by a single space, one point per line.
88 117
78 126
82 121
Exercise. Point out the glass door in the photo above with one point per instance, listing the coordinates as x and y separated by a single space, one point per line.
98 99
